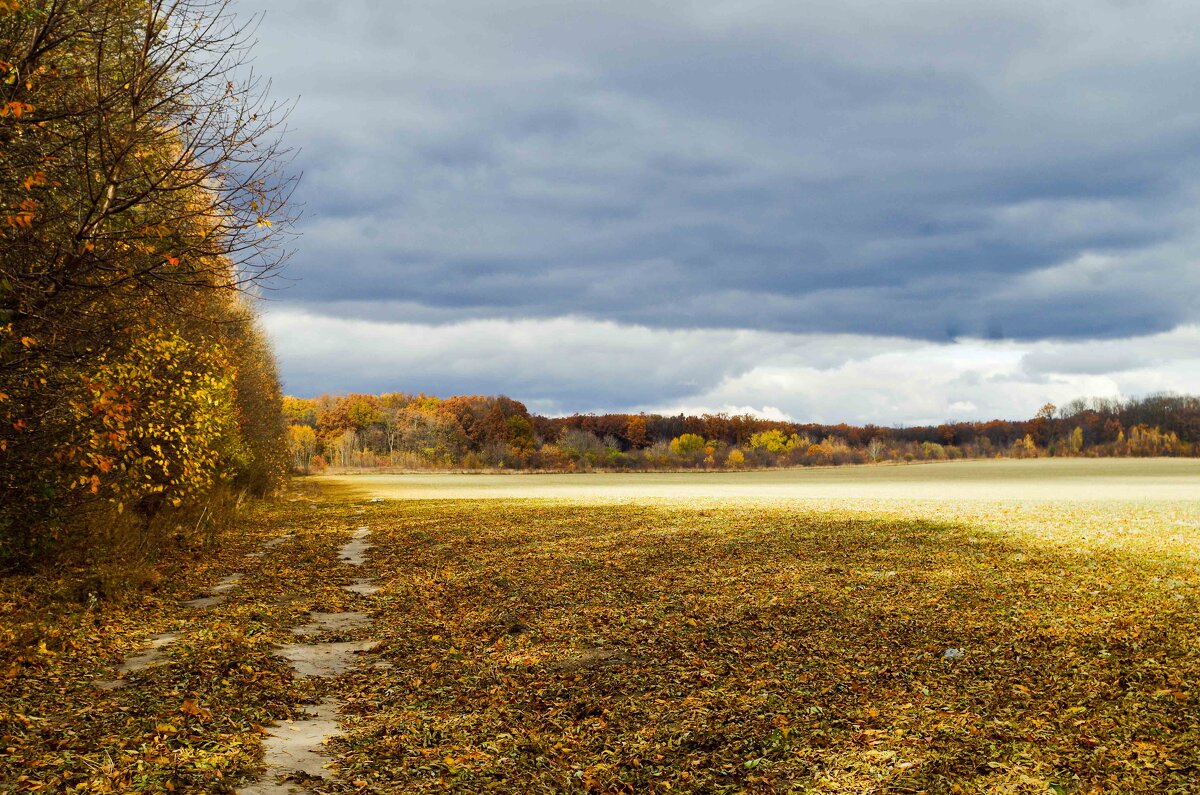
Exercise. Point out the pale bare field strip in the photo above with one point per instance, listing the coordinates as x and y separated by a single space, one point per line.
1036 480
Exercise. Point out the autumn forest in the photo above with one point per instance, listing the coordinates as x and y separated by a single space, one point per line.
209 585
421 432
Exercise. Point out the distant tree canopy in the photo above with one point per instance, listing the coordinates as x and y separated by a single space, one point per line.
141 190
420 431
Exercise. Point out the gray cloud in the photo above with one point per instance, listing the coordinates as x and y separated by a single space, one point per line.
928 169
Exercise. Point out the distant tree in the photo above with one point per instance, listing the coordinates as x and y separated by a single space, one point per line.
635 431
363 411
1076 441
1024 447
302 446
687 445
582 447
933 451
773 441
299 411
520 434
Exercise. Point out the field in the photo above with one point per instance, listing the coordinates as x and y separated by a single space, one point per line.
1001 627
1038 480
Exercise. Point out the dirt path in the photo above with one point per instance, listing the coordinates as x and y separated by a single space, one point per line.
294 752
233 671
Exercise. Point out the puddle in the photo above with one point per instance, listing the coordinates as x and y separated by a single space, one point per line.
294 747
151 656
591 658
274 542
355 551
109 684
204 601
332 622
324 659
228 583
216 594
362 586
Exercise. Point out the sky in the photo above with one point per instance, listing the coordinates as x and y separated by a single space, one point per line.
837 210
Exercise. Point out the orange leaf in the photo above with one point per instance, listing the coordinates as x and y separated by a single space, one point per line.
34 179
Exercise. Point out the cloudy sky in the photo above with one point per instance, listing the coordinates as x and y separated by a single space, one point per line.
911 211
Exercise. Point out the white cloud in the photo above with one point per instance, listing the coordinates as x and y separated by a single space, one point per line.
567 364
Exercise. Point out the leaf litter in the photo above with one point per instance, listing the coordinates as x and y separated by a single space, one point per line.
654 646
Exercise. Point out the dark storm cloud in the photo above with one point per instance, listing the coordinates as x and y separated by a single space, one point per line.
928 169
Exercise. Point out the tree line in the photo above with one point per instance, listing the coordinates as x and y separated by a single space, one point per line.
142 192
480 432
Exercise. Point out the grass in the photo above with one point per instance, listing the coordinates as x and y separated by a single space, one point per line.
623 643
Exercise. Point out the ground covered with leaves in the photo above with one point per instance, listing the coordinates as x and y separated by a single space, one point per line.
194 723
633 648
541 646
